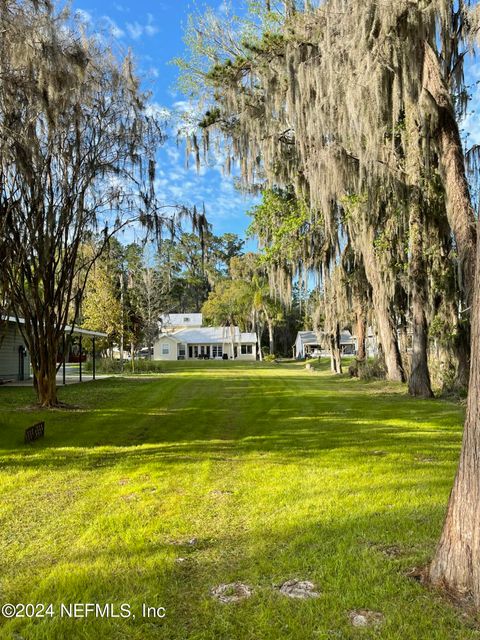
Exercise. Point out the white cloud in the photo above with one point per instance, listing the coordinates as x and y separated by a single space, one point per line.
158 111
173 153
183 106
150 28
134 29
153 72
112 27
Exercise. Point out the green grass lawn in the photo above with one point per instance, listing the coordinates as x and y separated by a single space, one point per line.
278 473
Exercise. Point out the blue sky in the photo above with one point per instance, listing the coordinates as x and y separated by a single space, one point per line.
154 32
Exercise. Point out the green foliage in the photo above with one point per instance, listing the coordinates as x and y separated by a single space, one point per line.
367 369
229 304
281 222
112 365
269 357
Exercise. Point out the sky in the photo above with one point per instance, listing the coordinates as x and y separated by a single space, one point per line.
153 30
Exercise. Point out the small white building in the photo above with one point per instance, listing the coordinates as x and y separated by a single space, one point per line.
15 361
215 343
310 344
14 357
306 344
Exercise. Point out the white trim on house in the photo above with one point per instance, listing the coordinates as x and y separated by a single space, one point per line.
206 342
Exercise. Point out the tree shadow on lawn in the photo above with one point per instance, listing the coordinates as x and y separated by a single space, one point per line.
302 439
342 557
242 419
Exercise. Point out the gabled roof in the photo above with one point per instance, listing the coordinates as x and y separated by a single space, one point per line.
211 335
310 338
68 329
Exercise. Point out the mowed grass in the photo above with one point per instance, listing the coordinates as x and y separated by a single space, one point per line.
277 472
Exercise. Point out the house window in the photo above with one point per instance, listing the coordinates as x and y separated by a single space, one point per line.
246 349
186 319
165 349
217 351
181 350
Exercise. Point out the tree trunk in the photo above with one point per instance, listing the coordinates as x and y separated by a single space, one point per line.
45 375
271 339
122 321
364 240
462 354
361 334
419 379
456 565
460 212
335 351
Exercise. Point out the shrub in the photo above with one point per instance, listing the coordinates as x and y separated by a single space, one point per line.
270 357
370 369
110 365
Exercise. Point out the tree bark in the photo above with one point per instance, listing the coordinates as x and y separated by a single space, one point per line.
459 208
364 241
361 334
271 339
456 564
46 389
45 376
419 383
335 351
462 354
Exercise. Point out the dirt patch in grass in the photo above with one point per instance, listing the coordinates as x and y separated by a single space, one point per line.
301 589
232 592
365 618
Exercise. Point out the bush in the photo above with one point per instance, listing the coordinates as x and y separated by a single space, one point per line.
269 357
104 365
369 369
110 365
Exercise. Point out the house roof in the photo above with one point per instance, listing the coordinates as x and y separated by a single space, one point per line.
211 335
310 338
181 320
68 328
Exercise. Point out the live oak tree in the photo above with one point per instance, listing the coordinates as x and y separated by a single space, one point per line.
335 107
77 151
349 99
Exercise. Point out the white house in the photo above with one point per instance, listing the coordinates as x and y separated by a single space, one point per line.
15 362
308 343
14 357
183 337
